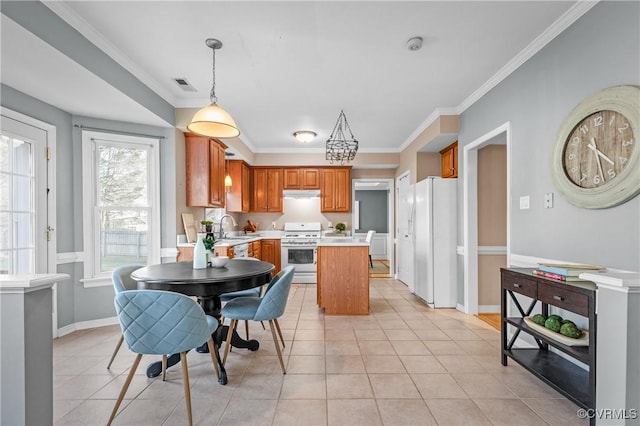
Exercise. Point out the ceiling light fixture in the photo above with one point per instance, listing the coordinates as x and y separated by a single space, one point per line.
341 149
305 136
414 43
212 120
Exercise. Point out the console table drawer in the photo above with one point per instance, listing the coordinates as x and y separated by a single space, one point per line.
519 284
564 298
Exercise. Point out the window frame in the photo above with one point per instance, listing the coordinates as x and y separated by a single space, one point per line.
93 277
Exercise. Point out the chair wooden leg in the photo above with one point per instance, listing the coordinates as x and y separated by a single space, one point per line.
232 328
213 357
275 341
279 331
115 351
187 388
127 382
164 368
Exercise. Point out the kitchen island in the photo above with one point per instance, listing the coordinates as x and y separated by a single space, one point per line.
343 276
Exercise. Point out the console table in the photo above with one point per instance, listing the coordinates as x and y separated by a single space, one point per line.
572 381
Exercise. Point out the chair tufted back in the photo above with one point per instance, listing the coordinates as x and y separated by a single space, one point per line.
121 278
274 300
160 322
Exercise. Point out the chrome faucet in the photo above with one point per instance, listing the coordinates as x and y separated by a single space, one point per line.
221 235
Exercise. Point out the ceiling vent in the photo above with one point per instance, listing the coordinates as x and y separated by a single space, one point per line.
184 85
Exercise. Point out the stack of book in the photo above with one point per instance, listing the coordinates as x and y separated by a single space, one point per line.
564 272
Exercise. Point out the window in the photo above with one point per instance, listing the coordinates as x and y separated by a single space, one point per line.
122 205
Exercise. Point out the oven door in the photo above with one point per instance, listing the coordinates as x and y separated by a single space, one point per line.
302 257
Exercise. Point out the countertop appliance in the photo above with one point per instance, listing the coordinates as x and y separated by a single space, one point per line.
299 248
435 235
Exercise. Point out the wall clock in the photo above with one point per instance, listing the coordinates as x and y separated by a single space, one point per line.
595 162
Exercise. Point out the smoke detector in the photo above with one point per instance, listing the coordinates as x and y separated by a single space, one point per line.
414 43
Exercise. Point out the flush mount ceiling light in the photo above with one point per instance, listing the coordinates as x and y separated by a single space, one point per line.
305 136
341 149
212 120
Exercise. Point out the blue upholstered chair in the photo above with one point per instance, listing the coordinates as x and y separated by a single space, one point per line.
122 281
251 292
269 307
158 322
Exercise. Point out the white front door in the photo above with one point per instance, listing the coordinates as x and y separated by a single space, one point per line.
405 235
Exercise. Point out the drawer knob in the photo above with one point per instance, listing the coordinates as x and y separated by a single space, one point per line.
517 285
559 298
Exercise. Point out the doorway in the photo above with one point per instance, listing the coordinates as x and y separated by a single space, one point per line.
28 205
369 195
474 269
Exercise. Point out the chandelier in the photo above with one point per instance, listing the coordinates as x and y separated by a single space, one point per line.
341 149
212 120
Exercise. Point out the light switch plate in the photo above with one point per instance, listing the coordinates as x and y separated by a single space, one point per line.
548 200
524 202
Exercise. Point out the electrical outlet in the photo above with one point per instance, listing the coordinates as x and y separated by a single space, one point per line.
524 202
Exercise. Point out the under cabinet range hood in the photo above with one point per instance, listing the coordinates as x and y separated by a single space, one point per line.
301 193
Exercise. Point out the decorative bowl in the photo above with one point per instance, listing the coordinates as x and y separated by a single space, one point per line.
219 261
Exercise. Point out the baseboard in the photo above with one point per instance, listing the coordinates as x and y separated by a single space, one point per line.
83 325
488 309
460 308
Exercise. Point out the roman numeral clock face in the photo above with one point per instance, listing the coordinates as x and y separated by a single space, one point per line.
595 162
598 149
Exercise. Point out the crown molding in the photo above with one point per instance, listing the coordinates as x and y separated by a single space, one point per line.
562 23
67 14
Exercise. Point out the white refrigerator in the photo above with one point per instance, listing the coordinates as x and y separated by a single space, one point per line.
435 234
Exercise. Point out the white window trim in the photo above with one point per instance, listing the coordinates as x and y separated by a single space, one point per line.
90 231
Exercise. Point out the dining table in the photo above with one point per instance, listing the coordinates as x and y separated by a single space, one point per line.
207 284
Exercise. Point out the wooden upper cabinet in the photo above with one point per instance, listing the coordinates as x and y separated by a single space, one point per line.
239 195
449 159
204 162
335 189
267 189
301 178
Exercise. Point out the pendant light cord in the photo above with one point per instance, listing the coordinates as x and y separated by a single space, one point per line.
212 95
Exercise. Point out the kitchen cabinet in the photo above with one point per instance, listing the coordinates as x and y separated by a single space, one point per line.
343 280
225 251
270 252
449 160
184 253
301 178
267 190
239 195
204 171
255 249
335 189
556 370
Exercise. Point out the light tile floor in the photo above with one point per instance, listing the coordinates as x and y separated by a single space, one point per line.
404 364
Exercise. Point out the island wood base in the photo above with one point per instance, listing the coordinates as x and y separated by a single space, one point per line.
343 279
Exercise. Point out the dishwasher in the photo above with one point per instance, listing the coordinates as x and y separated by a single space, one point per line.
241 250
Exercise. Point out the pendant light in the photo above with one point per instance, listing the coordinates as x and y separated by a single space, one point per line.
212 120
340 147
227 178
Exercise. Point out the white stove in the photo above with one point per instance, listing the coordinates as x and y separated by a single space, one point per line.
299 248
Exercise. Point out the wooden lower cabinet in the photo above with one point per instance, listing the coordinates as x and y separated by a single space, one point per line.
270 252
184 253
343 280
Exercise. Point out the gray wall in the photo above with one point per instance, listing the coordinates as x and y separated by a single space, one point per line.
601 49
76 303
373 210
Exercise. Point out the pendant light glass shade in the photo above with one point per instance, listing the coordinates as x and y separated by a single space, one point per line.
214 122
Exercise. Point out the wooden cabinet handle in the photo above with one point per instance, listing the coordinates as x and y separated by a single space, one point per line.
558 298
516 285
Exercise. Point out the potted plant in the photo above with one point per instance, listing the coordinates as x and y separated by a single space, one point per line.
340 227
207 226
